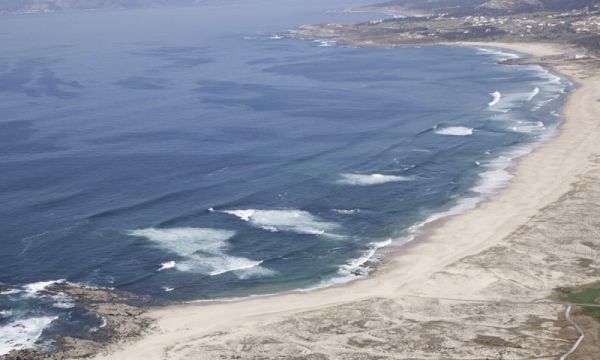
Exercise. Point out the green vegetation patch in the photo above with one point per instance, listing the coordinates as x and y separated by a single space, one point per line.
585 295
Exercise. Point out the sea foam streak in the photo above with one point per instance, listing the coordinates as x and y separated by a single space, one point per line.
203 250
22 334
529 127
297 221
454 131
499 54
369 179
533 94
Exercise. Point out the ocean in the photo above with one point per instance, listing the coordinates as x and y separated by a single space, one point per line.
199 153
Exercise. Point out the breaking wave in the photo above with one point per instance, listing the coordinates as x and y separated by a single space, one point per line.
357 268
325 43
167 265
498 54
454 131
369 179
518 99
528 127
202 250
23 333
496 97
34 288
296 221
346 211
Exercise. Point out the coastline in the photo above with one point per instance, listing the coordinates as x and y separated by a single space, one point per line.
540 179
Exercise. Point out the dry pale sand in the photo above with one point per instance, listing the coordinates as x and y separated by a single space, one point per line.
535 235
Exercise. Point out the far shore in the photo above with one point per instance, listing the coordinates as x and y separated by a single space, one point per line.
455 260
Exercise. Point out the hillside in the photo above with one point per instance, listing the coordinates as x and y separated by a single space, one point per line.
488 7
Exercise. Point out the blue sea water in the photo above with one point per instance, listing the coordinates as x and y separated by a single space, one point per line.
193 153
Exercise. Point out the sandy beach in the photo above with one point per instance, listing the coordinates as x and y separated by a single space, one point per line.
468 288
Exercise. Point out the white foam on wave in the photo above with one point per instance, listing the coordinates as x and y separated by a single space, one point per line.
543 103
496 97
325 43
552 86
513 122
509 101
186 241
454 131
498 174
167 289
5 313
370 179
34 288
63 305
529 127
356 268
230 263
347 211
63 301
167 265
23 333
497 53
203 250
254 272
296 221
534 93
550 77
492 180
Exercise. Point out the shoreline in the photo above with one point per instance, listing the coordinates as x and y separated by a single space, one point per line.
423 228
540 179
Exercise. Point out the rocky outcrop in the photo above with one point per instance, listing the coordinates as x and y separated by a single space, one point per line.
121 314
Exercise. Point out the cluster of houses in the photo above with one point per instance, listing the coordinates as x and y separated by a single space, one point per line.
577 21
589 24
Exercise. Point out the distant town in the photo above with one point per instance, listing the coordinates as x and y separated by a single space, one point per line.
579 27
